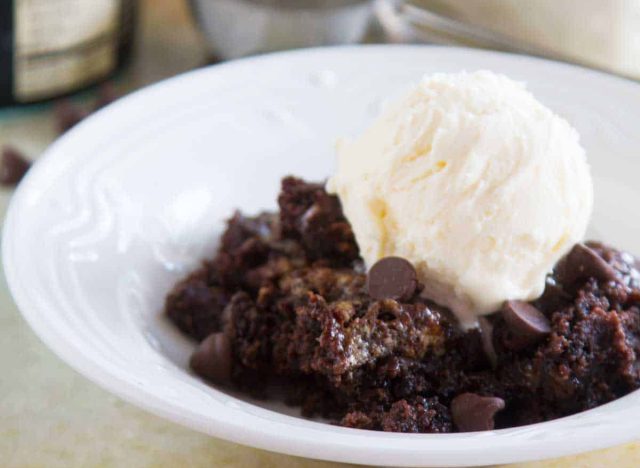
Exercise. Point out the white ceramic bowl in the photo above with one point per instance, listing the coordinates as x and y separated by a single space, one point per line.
130 200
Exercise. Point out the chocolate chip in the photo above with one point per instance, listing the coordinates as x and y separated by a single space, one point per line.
212 59
392 278
486 334
526 324
107 93
553 297
67 115
212 359
13 166
473 412
582 263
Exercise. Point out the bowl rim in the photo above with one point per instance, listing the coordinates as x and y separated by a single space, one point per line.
385 448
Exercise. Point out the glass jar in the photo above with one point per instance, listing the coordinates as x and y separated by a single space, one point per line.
50 48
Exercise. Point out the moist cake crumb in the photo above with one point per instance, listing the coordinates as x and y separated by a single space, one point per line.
288 294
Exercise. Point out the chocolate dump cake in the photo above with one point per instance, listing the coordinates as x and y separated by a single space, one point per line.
438 282
287 300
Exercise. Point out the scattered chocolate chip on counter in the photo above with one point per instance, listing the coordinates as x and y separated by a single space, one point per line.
107 93
13 166
212 59
67 115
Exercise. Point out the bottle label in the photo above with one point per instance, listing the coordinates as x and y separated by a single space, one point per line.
61 45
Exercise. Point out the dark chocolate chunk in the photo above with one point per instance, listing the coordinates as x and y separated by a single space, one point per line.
486 334
526 324
554 296
67 115
212 59
581 263
13 166
473 412
107 93
212 359
392 278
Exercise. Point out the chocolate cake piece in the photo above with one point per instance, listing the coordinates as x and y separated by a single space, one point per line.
288 297
312 216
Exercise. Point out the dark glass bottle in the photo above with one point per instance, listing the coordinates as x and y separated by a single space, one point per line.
49 49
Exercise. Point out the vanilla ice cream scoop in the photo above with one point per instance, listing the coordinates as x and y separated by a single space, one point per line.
475 182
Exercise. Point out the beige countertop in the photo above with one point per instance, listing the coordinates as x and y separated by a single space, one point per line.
50 416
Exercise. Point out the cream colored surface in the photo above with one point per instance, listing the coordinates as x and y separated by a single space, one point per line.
52 417
602 33
475 182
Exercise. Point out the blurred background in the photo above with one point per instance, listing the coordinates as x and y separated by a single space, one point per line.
60 60
53 47
97 50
